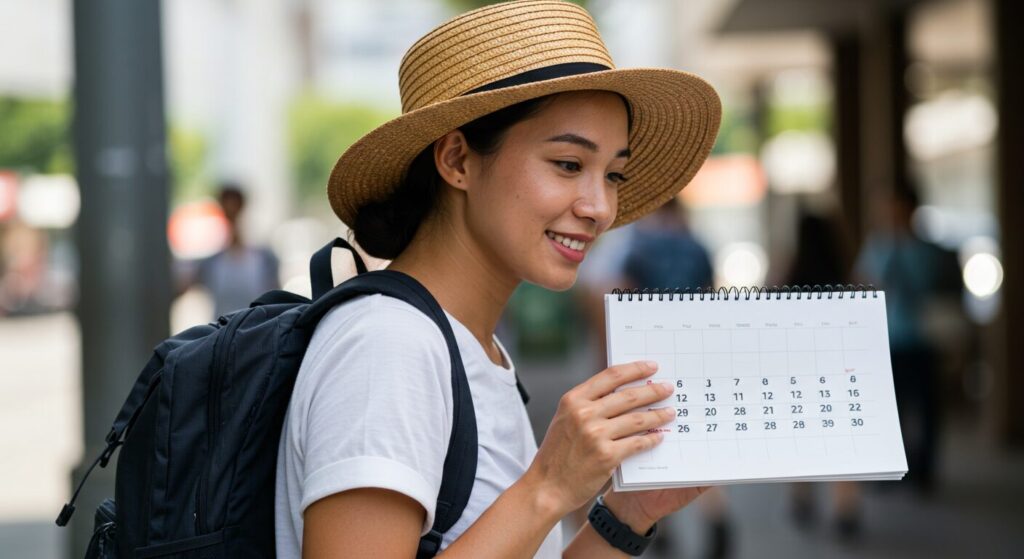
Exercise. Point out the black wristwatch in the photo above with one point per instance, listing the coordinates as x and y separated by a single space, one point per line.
618 533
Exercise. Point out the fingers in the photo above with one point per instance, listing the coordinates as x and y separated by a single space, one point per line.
628 399
638 422
628 446
615 376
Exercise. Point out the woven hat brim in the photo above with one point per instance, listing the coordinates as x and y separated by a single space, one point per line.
676 116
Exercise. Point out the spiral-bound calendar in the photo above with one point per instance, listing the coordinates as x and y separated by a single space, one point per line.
781 384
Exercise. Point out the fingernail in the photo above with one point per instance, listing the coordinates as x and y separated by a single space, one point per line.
652 365
666 387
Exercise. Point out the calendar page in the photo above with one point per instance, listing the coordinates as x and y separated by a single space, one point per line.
773 388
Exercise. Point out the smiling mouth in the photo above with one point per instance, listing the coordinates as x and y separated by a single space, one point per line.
571 244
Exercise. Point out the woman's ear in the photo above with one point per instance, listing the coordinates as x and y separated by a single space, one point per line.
450 154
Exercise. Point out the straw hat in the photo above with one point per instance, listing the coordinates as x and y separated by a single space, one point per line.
502 54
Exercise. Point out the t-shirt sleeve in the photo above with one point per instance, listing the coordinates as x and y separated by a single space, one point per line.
379 406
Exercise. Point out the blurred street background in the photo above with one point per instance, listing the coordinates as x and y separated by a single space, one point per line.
160 161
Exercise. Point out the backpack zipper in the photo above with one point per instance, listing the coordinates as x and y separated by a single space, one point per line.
220 352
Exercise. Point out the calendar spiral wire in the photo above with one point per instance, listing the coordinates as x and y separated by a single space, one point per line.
798 292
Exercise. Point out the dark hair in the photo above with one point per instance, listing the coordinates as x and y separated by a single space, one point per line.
384 228
230 189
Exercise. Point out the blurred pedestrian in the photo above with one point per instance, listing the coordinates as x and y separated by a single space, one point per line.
820 259
23 269
665 253
240 272
913 272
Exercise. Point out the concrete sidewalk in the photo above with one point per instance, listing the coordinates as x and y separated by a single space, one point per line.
40 429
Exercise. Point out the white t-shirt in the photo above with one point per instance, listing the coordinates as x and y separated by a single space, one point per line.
372 407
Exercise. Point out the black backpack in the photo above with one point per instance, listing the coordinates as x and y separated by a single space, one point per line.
201 425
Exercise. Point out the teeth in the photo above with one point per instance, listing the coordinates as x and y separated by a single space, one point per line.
566 241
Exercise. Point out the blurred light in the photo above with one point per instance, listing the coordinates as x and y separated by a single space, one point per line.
977 244
726 180
983 274
49 201
8 194
799 162
931 224
953 122
197 230
741 264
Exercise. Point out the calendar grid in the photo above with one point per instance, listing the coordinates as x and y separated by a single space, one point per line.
700 416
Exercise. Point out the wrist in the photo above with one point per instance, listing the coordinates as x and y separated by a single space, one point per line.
628 512
542 499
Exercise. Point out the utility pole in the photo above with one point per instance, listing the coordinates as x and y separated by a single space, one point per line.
124 274
1009 178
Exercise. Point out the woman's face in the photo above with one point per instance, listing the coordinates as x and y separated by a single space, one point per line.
553 182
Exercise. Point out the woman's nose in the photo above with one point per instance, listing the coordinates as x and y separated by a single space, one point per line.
598 203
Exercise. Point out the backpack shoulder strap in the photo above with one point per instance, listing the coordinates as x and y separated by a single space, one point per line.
461 458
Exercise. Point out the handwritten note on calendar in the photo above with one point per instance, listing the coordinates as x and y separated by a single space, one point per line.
779 387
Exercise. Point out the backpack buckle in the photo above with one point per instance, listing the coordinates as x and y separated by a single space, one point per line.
65 514
113 442
108 452
429 544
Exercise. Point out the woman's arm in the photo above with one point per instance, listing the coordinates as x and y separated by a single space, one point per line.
366 522
383 523
386 524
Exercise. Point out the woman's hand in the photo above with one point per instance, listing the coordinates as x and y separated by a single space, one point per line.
641 509
592 433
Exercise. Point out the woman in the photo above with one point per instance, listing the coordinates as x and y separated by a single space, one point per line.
517 147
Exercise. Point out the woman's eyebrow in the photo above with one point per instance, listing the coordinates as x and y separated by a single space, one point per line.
585 143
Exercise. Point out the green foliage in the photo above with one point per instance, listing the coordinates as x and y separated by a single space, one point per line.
545 322
797 117
739 130
737 134
35 135
188 152
320 131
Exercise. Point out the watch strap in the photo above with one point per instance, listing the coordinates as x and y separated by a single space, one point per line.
617 533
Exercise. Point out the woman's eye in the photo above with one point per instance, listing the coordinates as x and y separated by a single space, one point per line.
571 166
617 178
